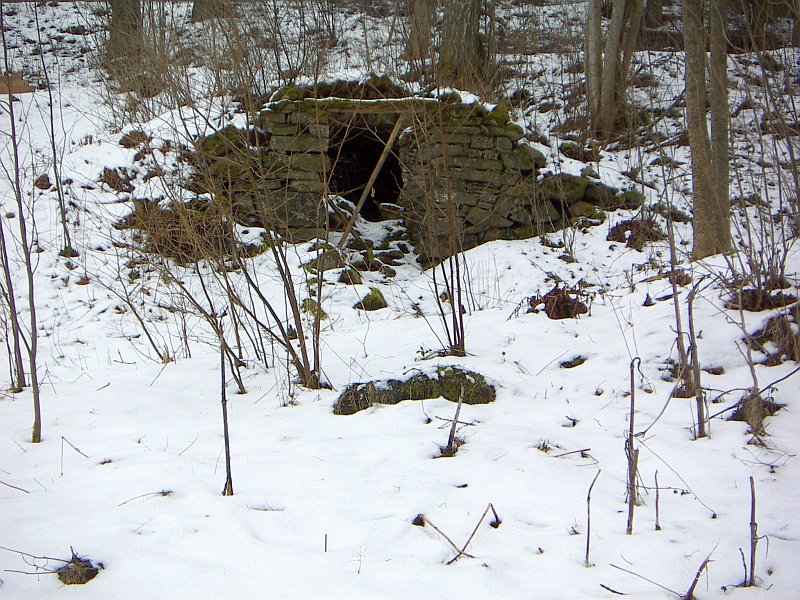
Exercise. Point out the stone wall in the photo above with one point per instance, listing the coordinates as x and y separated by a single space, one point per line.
469 175
297 163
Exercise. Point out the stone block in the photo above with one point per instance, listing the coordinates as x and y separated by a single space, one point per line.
479 164
300 143
283 129
483 142
307 161
482 219
493 177
317 187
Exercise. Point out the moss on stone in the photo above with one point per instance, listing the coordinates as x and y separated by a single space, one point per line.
220 142
374 300
350 276
291 92
564 188
499 115
451 97
447 382
582 211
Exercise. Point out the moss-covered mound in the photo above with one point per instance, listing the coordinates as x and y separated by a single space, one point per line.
447 382
374 300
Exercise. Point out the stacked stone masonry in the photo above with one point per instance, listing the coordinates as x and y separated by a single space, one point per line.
468 173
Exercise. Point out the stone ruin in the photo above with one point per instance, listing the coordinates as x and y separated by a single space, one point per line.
458 174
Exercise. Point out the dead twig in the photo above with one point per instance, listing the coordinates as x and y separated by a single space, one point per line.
581 451
421 520
751 581
495 524
689 595
586 562
14 487
648 580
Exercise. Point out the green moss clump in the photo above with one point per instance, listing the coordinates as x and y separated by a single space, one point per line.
374 300
77 571
451 380
451 97
585 213
499 116
447 383
292 93
220 142
575 361
563 188
350 276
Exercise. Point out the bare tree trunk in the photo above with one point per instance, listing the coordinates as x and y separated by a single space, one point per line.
795 23
67 250
594 58
711 210
420 28
125 34
607 83
654 13
18 366
720 122
463 58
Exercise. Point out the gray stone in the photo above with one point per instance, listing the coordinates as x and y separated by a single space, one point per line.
317 187
482 218
480 164
482 142
304 143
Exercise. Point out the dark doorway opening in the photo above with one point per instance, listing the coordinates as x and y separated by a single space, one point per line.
354 149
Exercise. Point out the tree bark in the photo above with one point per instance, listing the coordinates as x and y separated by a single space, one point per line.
594 57
463 59
711 211
420 28
607 71
125 34
654 13
720 123
795 23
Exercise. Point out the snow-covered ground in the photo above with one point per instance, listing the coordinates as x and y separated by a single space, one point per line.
131 465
